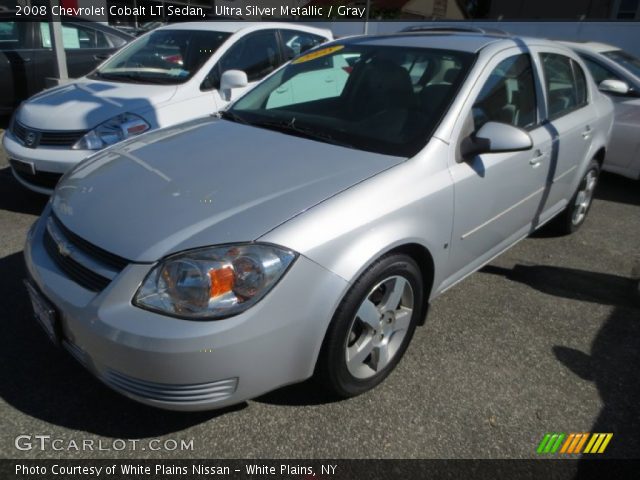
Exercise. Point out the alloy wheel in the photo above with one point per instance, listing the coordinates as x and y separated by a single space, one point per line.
379 327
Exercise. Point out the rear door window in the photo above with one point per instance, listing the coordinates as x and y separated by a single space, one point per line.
565 84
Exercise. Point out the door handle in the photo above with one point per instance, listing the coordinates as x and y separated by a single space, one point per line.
535 161
586 133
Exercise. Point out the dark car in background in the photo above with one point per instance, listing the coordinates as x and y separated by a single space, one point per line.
27 57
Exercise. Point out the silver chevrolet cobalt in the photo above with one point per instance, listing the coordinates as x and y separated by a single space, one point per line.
306 229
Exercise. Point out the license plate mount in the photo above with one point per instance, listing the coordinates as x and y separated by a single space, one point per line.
44 312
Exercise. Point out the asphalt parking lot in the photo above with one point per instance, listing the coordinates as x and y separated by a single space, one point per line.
545 339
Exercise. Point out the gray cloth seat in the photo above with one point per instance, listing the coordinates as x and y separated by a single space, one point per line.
378 86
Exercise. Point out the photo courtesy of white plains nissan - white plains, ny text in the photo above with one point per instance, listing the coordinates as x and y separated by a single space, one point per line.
319 239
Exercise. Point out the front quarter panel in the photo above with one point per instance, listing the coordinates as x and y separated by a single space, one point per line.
411 203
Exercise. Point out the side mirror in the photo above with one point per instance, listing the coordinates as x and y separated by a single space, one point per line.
616 87
494 137
232 79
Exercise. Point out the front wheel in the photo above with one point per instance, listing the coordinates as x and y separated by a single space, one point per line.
572 218
372 327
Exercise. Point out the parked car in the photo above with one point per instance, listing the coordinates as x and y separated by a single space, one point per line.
168 76
27 59
618 74
207 263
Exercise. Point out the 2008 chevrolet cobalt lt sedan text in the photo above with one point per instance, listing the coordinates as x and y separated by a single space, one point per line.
313 236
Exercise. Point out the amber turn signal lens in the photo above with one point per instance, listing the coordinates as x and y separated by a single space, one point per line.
222 280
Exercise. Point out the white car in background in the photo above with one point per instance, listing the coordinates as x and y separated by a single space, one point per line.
618 74
170 75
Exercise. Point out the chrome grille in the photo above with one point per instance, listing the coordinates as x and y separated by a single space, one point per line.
118 263
48 138
86 264
19 131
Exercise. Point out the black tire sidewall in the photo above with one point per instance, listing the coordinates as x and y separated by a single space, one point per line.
567 226
332 363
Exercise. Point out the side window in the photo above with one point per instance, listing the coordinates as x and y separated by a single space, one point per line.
115 41
74 37
256 55
581 84
599 72
295 43
566 90
9 35
509 95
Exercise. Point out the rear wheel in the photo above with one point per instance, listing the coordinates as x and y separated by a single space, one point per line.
373 326
576 212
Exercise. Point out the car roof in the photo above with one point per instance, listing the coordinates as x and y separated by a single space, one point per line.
233 27
596 47
461 41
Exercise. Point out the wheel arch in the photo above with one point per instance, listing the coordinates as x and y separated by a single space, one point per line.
422 256
417 252
600 155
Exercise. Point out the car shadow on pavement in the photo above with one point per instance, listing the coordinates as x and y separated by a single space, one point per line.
45 382
614 357
15 198
612 365
615 188
306 393
602 288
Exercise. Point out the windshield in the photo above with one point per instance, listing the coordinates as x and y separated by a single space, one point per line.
625 60
380 99
163 56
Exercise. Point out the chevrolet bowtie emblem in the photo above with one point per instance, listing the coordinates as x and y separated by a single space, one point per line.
30 139
64 249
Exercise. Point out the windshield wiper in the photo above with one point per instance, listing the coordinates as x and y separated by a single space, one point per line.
132 77
300 130
118 76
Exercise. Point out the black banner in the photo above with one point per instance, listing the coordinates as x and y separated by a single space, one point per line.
319 469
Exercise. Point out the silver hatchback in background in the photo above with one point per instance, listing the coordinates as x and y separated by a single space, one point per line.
313 236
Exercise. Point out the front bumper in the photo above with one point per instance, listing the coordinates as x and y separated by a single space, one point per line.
49 163
189 365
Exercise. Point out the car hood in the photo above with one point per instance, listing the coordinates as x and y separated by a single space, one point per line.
205 182
85 104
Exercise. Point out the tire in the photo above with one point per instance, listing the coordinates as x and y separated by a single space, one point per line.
574 215
372 327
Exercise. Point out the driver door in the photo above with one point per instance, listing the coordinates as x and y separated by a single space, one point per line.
498 196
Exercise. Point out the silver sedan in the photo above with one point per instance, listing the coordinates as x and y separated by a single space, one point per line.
618 74
305 230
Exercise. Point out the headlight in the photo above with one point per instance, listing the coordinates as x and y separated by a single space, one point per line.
112 131
213 282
